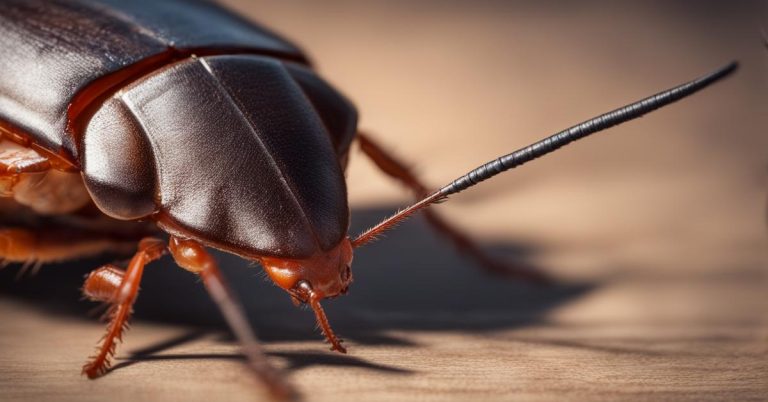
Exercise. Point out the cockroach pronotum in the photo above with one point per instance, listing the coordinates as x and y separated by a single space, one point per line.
123 120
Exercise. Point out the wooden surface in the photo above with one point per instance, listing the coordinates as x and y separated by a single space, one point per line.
656 230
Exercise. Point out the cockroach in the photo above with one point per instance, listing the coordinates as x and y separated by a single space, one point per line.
121 121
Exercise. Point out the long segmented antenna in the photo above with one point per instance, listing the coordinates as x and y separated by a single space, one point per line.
549 144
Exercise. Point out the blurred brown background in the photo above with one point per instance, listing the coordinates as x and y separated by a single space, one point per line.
656 229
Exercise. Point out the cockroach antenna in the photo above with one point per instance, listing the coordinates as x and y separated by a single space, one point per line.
547 145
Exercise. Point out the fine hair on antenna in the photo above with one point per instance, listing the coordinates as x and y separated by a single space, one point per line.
547 145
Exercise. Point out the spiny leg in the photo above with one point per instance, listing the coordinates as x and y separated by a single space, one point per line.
304 292
102 283
399 171
325 326
31 179
193 257
17 245
36 247
100 286
16 160
122 300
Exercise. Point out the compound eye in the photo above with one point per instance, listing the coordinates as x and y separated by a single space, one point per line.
346 274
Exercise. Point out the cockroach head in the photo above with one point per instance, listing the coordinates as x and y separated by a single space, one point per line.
326 274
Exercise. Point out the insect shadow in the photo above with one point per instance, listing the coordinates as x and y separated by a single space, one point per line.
410 281
296 360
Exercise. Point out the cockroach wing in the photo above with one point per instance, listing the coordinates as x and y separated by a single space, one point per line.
117 166
234 152
53 50
197 24
337 113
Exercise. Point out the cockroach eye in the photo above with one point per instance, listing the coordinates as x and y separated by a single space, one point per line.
346 274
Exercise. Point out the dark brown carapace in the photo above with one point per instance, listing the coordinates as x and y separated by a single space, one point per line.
142 118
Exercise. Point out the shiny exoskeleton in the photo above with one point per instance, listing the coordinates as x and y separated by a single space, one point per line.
153 100
120 120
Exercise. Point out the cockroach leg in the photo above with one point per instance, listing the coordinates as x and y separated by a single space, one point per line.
193 257
102 283
399 171
303 293
31 267
16 160
18 245
31 179
122 300
34 248
325 326
100 286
